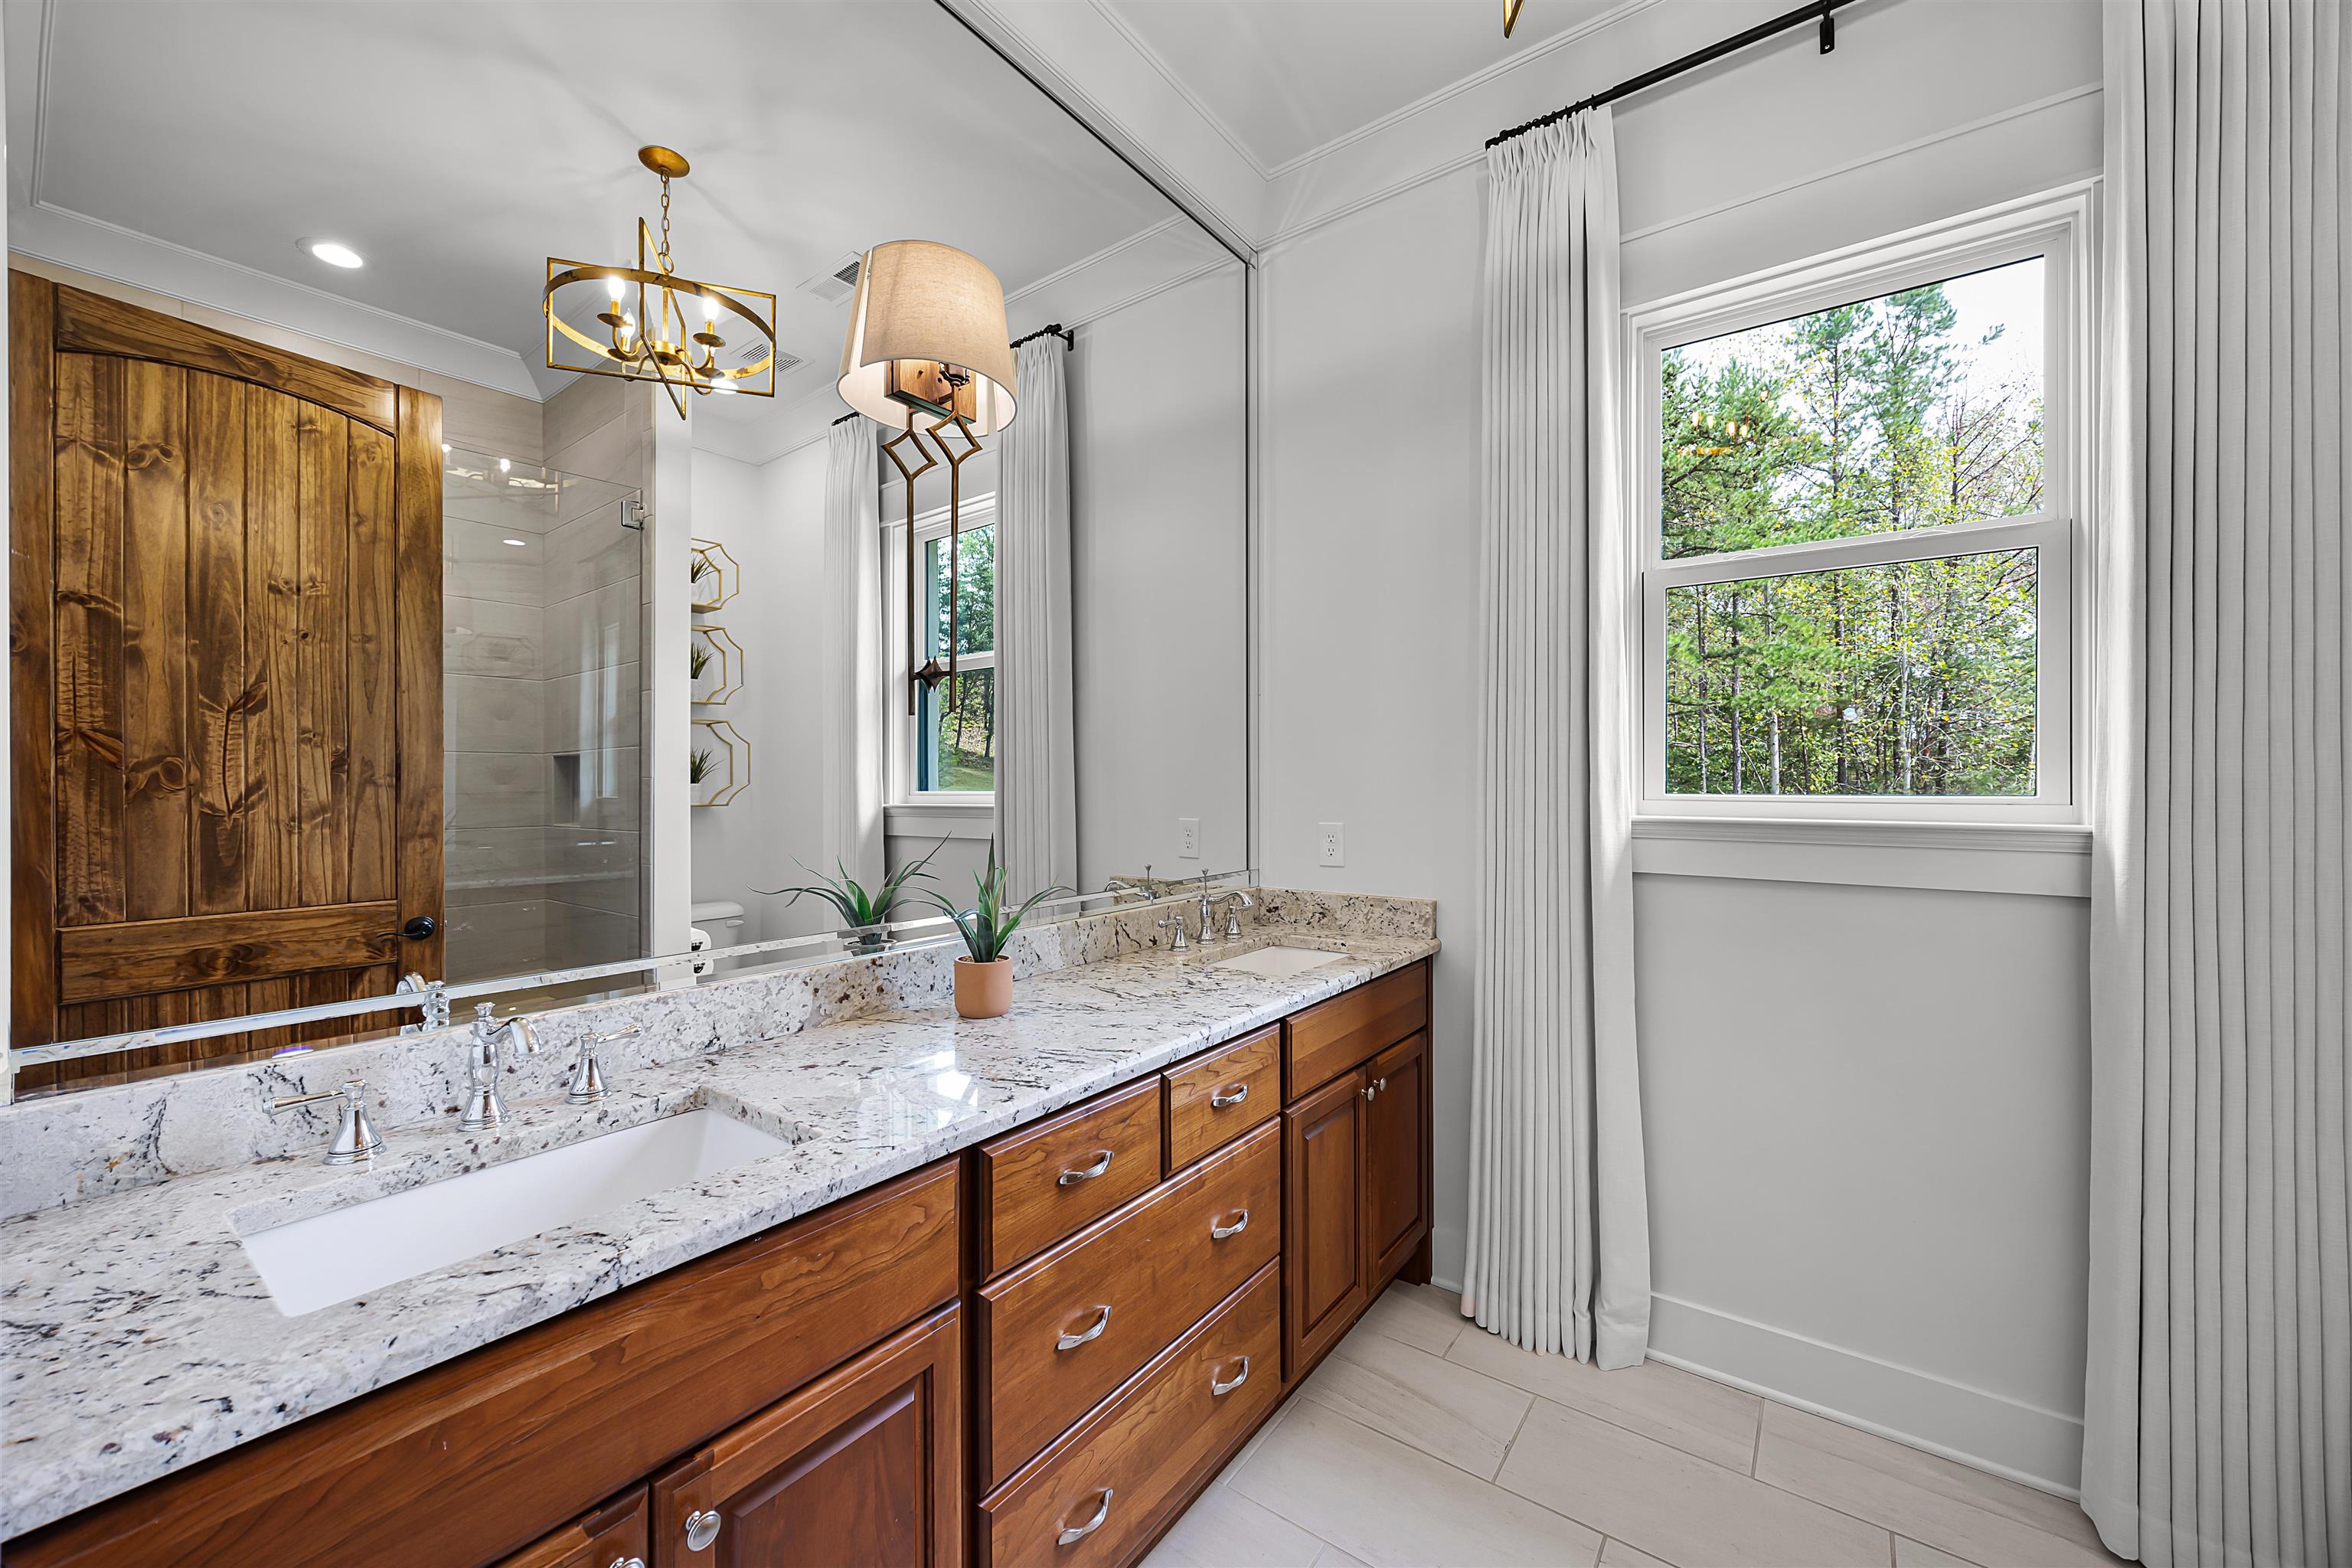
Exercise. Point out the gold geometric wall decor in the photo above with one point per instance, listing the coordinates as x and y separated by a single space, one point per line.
720 765
722 675
713 577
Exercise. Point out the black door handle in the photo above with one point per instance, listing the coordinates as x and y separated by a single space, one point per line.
420 928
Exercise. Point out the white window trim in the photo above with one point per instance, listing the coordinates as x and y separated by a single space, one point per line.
905 801
1759 831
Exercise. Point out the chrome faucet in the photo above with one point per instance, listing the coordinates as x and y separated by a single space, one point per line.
587 1086
1232 903
484 1056
355 1137
1118 885
1208 913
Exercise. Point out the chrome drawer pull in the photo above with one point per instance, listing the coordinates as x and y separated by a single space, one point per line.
1073 1536
1219 1232
1219 1101
1071 1178
1072 1342
701 1528
1219 1387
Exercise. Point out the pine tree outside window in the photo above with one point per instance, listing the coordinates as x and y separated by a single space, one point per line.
1855 512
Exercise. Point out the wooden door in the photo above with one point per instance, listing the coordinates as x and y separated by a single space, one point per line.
616 1535
225 672
1322 1242
1394 1217
863 1468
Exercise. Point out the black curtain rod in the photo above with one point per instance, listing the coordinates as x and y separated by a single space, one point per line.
1813 10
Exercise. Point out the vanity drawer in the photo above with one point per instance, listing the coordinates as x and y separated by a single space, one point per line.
1219 1096
1063 1331
1332 1036
1056 1176
1146 1448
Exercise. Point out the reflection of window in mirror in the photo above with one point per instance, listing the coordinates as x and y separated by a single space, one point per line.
954 750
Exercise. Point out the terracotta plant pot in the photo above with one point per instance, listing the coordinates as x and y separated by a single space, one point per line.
983 990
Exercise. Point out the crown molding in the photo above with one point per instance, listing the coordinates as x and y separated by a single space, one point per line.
1167 73
1532 55
102 249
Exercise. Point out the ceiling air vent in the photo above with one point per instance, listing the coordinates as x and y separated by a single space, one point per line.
837 285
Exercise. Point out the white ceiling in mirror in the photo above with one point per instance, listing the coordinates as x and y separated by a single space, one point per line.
1284 78
457 146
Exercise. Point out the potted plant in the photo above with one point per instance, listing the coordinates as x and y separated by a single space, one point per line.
863 915
983 977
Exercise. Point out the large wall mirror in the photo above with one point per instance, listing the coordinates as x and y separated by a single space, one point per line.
359 649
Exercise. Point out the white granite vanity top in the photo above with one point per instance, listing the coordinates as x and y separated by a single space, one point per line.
138 1338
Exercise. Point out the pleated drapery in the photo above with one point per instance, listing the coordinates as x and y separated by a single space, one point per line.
1036 731
1558 1244
2218 1420
852 666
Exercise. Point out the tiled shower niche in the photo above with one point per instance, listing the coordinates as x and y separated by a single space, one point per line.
542 625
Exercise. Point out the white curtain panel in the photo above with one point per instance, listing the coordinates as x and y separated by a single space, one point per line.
1037 746
2218 1419
852 671
1559 1246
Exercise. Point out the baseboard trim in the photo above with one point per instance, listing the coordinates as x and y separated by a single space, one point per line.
1990 1431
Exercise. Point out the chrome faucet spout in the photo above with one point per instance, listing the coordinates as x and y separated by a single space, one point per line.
486 1046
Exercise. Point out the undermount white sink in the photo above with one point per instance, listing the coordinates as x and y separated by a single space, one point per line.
335 1256
1280 963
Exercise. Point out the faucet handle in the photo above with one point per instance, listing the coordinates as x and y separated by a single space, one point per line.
587 1086
355 1136
1175 917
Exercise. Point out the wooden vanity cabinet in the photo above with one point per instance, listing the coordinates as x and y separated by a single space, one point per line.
863 1466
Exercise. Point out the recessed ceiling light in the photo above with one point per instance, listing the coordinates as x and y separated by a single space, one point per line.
518 543
334 253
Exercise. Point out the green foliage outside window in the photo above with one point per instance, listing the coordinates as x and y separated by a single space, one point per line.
1914 410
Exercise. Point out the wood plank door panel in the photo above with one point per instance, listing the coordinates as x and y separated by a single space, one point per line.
232 619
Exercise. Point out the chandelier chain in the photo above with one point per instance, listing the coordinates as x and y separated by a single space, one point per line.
664 251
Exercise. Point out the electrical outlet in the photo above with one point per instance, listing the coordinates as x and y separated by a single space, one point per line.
1331 841
1188 833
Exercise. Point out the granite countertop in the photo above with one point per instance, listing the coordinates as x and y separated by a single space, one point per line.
138 1338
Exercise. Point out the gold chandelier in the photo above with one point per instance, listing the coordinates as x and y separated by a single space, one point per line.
673 334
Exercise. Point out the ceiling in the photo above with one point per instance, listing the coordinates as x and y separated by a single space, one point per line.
1284 77
457 145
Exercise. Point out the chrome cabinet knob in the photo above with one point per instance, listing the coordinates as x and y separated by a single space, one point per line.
628 1562
1072 1178
1219 1232
1221 1386
701 1528
1368 1090
1235 1096
1078 1533
1072 1342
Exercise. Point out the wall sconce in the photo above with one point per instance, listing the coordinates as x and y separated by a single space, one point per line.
928 341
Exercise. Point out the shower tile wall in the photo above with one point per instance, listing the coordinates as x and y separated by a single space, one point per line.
540 628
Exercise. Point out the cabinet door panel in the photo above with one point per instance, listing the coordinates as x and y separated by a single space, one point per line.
1395 1222
1323 1224
863 1468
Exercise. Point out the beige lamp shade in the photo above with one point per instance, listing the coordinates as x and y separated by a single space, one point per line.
919 302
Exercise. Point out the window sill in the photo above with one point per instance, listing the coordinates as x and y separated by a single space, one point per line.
941 819
2048 860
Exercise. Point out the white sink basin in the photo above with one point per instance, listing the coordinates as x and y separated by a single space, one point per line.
1280 963
330 1257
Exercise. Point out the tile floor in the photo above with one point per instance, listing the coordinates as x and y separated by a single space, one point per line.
1423 1440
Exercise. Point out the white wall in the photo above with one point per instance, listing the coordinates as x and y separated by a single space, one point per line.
771 520
1865 1107
1158 582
